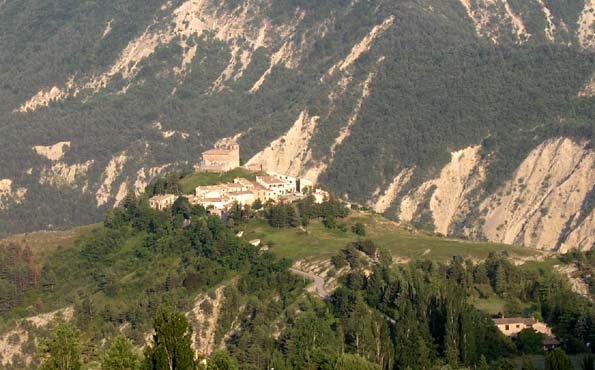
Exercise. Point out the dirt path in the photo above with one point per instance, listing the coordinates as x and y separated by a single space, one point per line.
318 282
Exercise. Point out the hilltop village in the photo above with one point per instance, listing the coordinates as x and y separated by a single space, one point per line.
267 187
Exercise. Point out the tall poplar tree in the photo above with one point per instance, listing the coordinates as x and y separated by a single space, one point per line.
171 348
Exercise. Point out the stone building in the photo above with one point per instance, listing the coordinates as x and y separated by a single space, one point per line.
511 326
278 186
161 202
295 183
221 159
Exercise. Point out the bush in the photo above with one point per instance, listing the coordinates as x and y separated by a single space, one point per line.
529 341
359 229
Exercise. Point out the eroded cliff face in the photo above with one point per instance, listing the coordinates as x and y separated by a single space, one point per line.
288 154
546 194
494 18
10 194
449 192
546 204
244 28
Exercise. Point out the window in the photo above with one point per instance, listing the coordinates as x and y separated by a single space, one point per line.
507 327
518 326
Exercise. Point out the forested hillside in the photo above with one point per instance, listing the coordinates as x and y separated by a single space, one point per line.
469 118
208 292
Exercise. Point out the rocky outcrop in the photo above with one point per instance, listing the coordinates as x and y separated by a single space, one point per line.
9 194
52 152
546 205
550 29
111 172
289 154
362 47
586 25
384 201
204 318
546 193
63 174
13 341
457 179
244 28
493 18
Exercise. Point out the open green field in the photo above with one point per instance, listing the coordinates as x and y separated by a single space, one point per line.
317 242
190 182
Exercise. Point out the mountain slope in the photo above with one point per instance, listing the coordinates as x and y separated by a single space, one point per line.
369 98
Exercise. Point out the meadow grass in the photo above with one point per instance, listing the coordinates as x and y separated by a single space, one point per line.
317 242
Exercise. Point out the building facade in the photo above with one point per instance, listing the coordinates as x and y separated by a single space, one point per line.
161 202
220 159
512 326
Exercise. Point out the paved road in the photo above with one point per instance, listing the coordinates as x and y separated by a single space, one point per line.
318 282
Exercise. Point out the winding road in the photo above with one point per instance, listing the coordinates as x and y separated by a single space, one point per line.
318 282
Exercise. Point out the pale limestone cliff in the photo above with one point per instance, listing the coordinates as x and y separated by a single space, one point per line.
586 24
112 171
458 178
146 175
492 18
62 174
53 152
168 134
547 190
550 29
384 201
244 28
583 235
362 47
9 194
289 154
540 207
204 318
12 341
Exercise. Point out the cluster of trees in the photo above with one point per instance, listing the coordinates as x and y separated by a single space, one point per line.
382 316
171 348
417 316
550 296
19 272
301 212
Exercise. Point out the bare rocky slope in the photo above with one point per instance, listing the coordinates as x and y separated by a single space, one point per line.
474 118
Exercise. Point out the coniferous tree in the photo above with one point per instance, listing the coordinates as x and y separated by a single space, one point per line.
557 360
171 348
293 217
500 279
483 363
